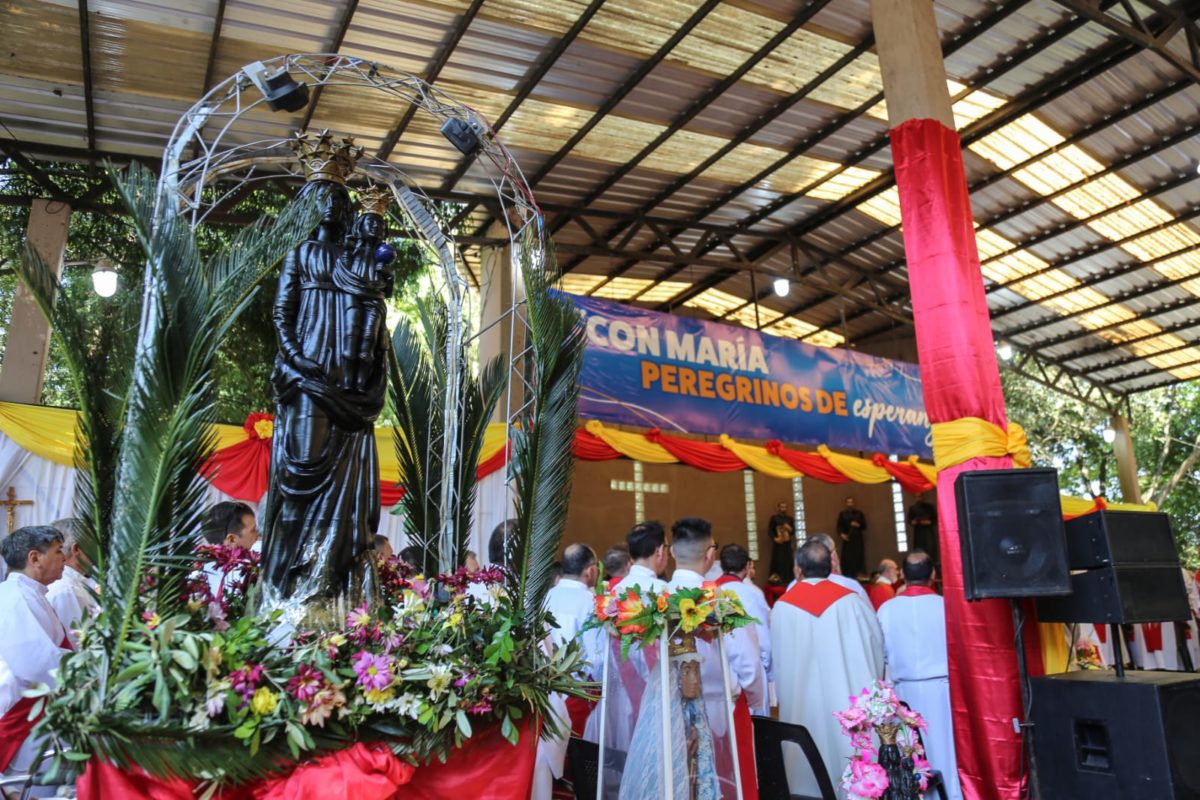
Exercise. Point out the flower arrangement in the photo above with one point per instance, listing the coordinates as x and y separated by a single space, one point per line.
872 772
640 616
420 672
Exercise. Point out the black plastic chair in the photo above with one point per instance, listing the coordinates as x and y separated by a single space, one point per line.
583 766
769 736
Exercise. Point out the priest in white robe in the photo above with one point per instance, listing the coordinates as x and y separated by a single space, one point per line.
570 601
32 639
74 594
836 575
626 680
735 575
827 646
695 551
914 645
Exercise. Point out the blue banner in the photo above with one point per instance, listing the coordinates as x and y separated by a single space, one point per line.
684 375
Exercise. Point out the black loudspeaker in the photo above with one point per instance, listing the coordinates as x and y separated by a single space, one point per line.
1121 594
1120 537
1108 738
1010 525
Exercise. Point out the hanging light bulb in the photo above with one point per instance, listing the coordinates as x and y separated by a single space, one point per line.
1109 435
104 278
1005 351
782 286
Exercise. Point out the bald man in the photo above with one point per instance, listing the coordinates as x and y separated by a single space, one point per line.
883 588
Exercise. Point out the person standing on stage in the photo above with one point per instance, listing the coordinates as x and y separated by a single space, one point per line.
922 526
914 644
851 526
781 529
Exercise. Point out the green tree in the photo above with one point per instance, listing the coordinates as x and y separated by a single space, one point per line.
1165 427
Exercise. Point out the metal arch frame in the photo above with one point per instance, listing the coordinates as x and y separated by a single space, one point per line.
1066 382
209 129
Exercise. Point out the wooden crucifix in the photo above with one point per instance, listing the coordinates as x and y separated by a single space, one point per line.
11 505
640 489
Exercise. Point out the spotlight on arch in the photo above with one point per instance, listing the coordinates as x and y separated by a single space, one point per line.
782 286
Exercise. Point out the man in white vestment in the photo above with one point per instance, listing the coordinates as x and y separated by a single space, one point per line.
647 543
826 645
228 524
32 639
695 552
836 576
914 645
74 594
570 601
735 568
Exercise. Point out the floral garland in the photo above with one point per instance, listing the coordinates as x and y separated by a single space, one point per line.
876 711
640 616
421 672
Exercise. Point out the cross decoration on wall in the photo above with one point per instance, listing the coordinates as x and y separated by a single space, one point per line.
640 489
11 505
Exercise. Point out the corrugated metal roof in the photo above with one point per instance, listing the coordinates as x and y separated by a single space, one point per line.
741 170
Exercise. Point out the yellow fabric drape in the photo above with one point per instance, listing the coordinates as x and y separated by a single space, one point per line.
631 445
962 439
859 470
1056 654
759 460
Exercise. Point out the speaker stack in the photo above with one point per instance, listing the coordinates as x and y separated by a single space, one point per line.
1099 734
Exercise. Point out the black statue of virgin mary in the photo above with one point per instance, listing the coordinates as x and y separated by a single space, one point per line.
323 507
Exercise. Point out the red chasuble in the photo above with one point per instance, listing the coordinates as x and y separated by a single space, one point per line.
815 598
880 593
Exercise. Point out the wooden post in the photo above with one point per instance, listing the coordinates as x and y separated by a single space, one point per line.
28 343
910 58
1127 471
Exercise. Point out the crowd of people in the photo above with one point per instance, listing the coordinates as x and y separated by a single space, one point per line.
826 638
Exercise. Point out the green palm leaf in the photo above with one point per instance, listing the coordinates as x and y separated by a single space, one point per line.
542 457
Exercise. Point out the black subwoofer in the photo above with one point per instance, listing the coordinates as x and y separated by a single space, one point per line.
1132 738
1011 529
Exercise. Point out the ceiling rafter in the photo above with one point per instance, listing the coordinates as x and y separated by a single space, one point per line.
214 42
885 180
1179 304
85 48
1153 34
339 36
696 107
435 69
1066 382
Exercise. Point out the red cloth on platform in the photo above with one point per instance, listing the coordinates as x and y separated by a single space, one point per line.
487 767
578 710
959 378
1152 634
815 598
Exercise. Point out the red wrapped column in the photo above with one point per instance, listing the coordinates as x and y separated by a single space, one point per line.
960 379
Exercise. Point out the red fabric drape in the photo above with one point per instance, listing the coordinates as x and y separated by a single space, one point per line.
810 464
592 448
959 378
15 726
909 477
707 456
241 469
487 767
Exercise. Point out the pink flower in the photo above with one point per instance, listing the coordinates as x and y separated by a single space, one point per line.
245 681
923 770
359 617
374 671
864 778
322 706
482 707
305 684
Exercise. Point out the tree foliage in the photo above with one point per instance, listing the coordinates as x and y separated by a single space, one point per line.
1165 428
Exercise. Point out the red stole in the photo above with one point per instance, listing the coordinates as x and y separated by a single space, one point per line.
916 591
1152 634
16 725
815 598
1101 633
727 579
880 593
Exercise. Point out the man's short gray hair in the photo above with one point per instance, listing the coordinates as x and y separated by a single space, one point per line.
71 529
17 546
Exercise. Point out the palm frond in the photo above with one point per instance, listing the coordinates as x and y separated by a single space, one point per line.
542 458
188 309
420 387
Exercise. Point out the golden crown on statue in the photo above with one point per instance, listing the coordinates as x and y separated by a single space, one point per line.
326 158
375 199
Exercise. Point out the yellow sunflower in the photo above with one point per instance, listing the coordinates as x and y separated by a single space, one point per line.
692 616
